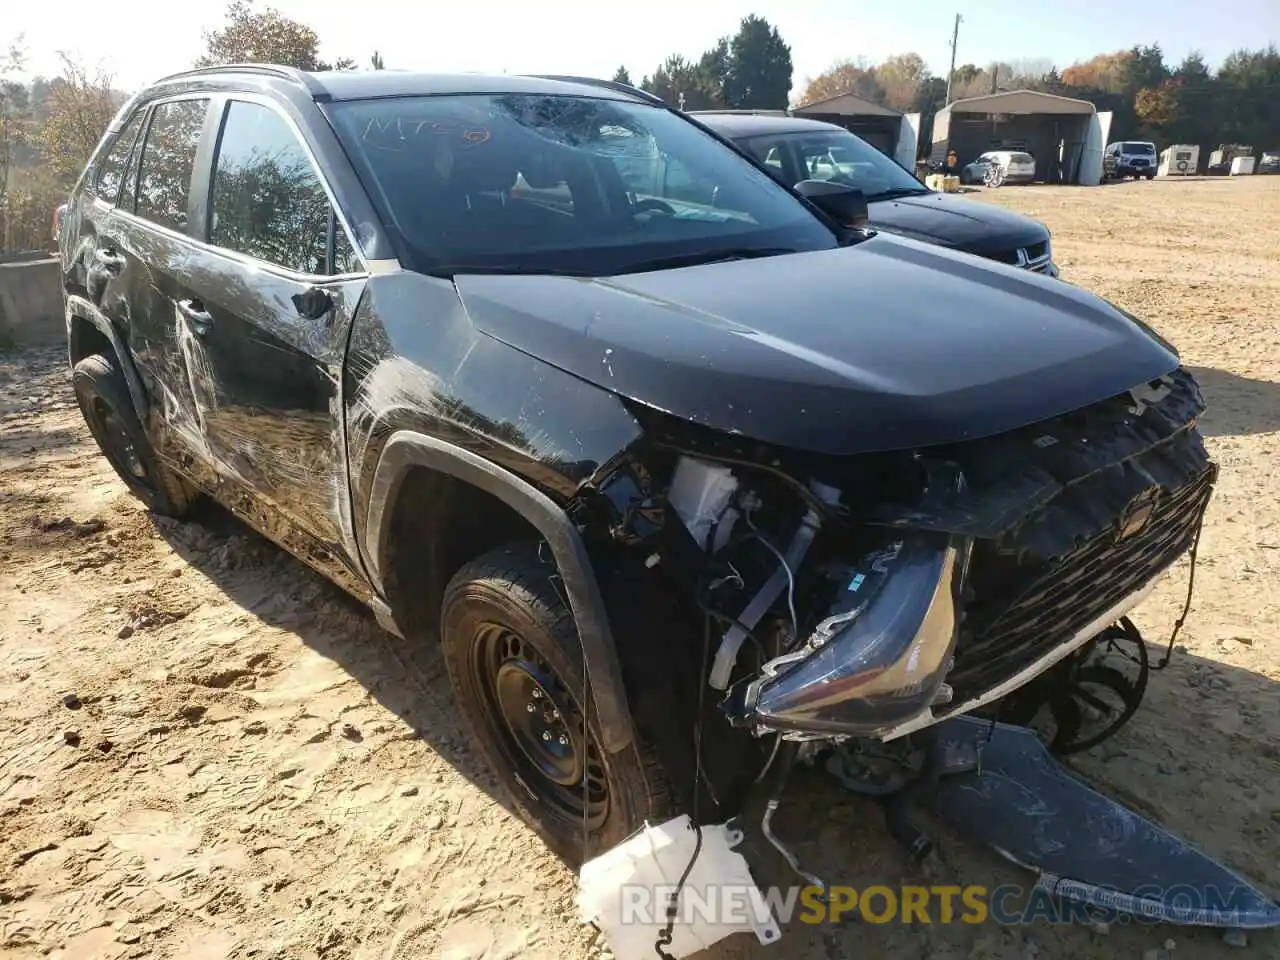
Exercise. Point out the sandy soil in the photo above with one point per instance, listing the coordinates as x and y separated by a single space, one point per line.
206 752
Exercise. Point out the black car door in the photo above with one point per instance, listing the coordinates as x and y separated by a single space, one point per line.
94 228
269 307
146 249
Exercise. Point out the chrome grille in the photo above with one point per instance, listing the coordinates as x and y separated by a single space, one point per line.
1035 256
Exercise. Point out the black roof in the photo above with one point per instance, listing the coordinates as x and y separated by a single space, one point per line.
360 84
365 84
750 125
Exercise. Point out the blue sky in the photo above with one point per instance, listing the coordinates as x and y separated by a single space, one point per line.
592 37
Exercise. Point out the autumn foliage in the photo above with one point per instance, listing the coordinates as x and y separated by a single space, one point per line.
251 35
1148 98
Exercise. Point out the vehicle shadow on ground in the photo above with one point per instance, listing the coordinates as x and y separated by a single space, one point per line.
1237 406
406 678
1222 802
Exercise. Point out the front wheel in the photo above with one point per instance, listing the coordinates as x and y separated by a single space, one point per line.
513 656
104 402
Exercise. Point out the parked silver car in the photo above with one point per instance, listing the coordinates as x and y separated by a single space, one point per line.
1017 166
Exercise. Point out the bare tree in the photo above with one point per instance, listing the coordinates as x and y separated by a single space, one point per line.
15 112
81 105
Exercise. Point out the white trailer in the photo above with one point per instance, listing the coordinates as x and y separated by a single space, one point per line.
1179 160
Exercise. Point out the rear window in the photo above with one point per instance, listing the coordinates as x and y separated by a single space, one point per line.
1022 158
1141 148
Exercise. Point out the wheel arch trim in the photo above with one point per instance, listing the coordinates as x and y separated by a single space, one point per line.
406 449
80 308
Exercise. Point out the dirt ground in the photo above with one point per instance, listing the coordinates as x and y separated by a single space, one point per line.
207 752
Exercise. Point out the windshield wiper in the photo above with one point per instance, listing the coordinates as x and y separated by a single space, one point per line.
897 192
707 256
448 271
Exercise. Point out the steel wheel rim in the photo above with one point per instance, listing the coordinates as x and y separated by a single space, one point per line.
540 727
119 445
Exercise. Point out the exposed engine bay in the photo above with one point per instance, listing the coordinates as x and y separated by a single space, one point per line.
877 596
883 612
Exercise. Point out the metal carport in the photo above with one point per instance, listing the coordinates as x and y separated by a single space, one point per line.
889 131
1065 136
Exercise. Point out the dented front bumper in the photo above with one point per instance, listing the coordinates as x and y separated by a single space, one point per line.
878 669
1057 532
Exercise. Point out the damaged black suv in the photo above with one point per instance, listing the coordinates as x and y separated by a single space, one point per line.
663 452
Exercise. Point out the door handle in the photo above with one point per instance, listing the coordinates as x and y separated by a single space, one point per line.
109 260
195 312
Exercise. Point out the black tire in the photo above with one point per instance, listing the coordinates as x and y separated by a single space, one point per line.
1151 176
502 624
107 409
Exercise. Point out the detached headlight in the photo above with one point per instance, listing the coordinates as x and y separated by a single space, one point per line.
880 656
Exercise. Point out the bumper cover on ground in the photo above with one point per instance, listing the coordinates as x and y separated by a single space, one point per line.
1085 847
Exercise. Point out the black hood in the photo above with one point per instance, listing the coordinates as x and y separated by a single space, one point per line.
889 344
952 221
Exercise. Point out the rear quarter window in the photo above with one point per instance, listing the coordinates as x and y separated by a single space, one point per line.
111 170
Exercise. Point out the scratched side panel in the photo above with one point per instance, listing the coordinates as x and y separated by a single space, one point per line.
416 362
267 385
155 277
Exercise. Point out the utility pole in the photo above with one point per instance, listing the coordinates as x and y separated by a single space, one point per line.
955 35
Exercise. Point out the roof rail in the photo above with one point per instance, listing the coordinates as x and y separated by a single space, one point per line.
615 85
293 74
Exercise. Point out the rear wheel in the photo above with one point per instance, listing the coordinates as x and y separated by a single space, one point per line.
104 402
515 661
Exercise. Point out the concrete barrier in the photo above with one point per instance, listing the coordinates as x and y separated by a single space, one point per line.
31 311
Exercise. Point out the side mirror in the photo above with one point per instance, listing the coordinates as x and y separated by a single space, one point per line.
844 204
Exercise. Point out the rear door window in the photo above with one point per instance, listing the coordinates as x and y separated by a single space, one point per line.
168 157
267 199
111 170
